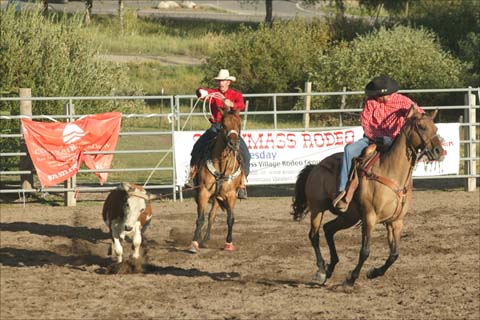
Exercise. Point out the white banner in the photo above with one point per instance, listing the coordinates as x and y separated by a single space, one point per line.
450 133
278 156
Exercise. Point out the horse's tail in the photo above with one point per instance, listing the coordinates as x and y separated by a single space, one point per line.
299 200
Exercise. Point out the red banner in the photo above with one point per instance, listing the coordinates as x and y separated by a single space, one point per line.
57 149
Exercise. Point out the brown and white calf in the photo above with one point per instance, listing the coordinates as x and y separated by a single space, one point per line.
127 211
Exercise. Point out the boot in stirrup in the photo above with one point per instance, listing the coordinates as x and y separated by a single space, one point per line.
190 183
242 189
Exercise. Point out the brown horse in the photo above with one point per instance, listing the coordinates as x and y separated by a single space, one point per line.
219 177
383 195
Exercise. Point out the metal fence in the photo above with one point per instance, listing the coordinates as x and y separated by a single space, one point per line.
184 112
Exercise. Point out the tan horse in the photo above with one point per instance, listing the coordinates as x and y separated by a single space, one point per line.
218 178
383 195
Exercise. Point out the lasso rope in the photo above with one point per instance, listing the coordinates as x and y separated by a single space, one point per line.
208 98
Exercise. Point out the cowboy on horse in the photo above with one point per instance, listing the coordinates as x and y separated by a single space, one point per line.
383 117
220 98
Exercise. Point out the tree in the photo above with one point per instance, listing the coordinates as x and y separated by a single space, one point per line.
269 7
413 57
271 58
88 11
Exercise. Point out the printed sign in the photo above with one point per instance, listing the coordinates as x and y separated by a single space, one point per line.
277 157
57 149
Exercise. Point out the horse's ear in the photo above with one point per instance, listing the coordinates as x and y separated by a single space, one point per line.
237 112
434 114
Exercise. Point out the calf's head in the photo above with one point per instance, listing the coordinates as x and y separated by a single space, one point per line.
137 200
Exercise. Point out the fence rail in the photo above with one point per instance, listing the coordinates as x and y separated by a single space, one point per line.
183 115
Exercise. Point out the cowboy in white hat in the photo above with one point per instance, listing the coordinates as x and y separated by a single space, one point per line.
232 99
382 118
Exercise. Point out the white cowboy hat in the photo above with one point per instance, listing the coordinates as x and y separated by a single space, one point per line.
224 75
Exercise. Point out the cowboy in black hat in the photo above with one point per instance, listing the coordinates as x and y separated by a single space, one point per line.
382 118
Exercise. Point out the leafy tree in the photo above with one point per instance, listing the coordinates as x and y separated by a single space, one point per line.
55 56
412 57
270 59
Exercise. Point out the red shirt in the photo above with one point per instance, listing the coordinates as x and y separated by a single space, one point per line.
216 103
385 119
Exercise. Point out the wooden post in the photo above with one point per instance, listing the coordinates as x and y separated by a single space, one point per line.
120 16
470 149
308 100
71 183
25 161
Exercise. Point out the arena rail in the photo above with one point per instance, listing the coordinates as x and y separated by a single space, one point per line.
182 112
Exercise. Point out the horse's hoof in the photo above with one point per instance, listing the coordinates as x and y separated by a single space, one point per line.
194 248
228 247
347 286
203 245
320 277
373 273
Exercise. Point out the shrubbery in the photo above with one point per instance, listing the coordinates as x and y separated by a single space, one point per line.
412 57
275 59
54 55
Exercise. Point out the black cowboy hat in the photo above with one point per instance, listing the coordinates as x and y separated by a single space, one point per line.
381 86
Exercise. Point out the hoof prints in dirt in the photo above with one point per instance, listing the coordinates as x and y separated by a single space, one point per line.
125 267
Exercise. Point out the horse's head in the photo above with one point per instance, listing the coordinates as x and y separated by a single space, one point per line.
231 128
422 134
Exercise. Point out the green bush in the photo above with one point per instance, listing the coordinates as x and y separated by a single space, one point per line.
412 57
469 51
270 59
54 56
451 20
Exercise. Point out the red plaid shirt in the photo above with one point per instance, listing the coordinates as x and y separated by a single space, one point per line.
385 119
215 103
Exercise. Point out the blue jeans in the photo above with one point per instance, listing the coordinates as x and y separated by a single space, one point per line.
201 146
354 150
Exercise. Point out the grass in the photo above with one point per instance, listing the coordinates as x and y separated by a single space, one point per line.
157 79
158 36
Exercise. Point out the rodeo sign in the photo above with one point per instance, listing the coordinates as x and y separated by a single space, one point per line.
277 157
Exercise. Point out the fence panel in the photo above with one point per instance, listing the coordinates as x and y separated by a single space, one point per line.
146 152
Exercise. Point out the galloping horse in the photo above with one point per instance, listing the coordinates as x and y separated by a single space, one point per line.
218 179
383 195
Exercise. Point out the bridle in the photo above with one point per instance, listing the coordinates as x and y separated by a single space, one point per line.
422 149
233 147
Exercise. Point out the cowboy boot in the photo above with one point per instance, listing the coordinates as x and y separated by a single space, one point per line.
339 202
242 189
190 183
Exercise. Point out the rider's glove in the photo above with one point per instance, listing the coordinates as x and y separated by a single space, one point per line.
228 103
201 93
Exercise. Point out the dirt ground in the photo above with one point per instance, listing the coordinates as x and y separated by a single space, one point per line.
54 265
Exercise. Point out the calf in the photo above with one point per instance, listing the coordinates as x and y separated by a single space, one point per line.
127 211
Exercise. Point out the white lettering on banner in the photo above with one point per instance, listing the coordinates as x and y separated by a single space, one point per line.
62 173
278 156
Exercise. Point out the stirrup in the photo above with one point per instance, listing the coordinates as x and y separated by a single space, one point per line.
189 183
242 193
339 197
